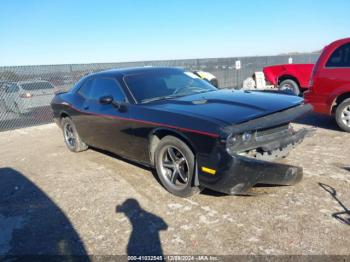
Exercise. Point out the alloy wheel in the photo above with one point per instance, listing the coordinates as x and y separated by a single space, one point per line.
287 88
345 116
69 135
174 167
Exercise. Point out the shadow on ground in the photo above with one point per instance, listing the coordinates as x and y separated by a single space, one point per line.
347 168
318 120
31 223
144 239
206 191
343 216
134 163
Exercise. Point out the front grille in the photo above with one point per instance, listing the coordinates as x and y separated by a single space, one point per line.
268 136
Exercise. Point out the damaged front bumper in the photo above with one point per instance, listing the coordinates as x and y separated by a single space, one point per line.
238 172
242 173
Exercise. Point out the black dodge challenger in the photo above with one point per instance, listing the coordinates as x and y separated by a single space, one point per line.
193 134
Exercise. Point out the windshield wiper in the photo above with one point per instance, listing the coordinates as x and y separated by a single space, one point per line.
156 99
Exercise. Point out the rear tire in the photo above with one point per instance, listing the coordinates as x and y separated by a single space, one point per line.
342 115
175 165
289 86
71 136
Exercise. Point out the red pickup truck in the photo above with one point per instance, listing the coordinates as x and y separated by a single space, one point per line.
329 91
292 78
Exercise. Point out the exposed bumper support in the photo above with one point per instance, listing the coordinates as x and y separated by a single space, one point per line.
293 139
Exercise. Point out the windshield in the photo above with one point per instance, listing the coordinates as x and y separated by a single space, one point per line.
152 86
37 86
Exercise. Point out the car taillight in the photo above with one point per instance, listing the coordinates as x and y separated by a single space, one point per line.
26 95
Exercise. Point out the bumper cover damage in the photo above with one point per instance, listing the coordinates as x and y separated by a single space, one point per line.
239 172
244 173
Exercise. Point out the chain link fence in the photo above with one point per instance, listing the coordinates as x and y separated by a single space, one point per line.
20 84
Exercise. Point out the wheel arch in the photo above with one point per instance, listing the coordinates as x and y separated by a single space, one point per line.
157 134
338 100
60 116
63 115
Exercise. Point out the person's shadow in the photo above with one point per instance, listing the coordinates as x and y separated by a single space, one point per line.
144 238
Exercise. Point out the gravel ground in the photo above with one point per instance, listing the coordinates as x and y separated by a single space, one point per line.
53 201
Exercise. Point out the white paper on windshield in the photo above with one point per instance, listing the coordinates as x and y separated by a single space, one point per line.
190 74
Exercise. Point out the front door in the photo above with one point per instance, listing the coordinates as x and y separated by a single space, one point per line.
107 126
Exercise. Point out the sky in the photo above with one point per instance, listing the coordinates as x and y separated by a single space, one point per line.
35 32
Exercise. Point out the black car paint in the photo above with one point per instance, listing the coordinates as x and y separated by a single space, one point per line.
203 121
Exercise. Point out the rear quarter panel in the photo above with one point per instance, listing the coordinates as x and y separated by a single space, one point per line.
62 104
343 88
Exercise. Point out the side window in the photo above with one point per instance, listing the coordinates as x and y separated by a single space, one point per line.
340 57
85 89
106 87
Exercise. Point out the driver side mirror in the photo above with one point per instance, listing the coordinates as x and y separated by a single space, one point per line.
108 100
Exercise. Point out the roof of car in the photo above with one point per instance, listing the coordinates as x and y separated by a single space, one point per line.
136 70
343 40
340 41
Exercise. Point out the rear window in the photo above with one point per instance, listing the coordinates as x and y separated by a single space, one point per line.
37 86
85 88
340 57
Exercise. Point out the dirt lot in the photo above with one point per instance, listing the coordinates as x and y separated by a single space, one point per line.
53 201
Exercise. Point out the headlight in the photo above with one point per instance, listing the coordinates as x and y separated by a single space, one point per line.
246 137
237 142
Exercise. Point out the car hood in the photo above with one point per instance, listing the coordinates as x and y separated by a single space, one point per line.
229 106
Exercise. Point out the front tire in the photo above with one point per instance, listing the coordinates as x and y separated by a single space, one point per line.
342 115
71 136
289 86
175 166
